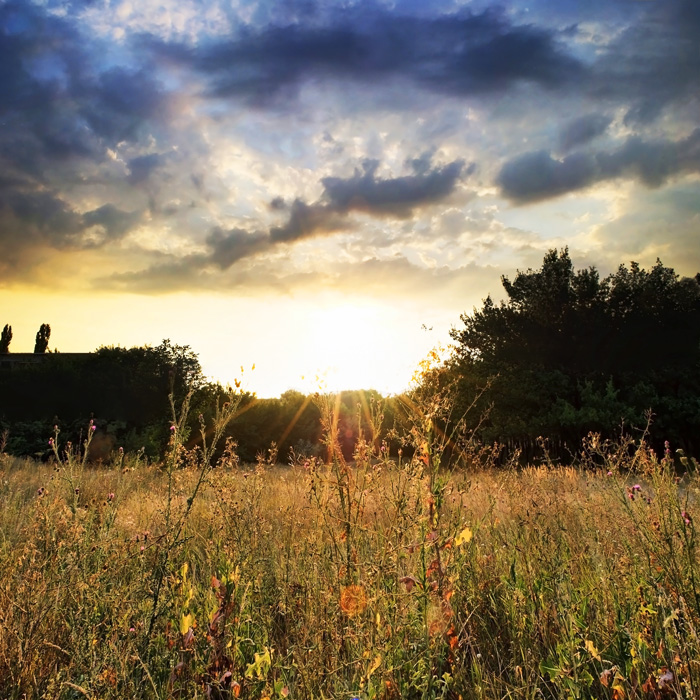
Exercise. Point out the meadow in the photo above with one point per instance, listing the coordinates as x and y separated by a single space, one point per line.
429 574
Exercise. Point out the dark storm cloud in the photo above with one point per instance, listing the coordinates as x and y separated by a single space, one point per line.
647 65
654 63
59 114
460 54
55 105
141 167
396 196
365 192
119 101
582 130
537 176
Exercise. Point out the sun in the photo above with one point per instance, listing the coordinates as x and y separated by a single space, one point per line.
348 348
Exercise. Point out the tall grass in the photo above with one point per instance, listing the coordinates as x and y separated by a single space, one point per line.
374 578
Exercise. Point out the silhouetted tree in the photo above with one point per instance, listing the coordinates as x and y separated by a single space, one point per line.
5 340
572 353
42 338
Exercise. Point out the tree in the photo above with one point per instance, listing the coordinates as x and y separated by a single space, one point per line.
42 338
5 340
573 353
125 390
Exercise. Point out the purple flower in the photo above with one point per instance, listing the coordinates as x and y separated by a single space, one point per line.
636 487
93 427
110 496
172 428
609 473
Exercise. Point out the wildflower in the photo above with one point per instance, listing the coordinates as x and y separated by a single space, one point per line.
665 679
686 517
172 428
93 427
353 600
110 496
40 491
636 487
609 473
142 548
77 491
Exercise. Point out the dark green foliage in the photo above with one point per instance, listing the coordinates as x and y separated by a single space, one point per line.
42 338
573 353
125 390
5 340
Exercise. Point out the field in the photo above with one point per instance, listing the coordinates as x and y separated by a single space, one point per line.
384 577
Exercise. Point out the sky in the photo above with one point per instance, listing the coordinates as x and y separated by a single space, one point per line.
321 189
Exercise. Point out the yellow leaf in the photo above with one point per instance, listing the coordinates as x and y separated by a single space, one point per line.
464 537
590 648
186 623
375 665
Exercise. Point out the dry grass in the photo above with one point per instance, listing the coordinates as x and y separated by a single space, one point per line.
377 580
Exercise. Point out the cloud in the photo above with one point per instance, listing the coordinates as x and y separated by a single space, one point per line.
395 196
582 130
459 54
365 192
362 192
57 108
537 175
307 220
227 247
34 221
141 167
654 63
113 221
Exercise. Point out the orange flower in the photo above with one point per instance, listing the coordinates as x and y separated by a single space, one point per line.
353 600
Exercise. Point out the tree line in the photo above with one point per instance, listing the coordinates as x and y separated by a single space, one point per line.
126 393
566 352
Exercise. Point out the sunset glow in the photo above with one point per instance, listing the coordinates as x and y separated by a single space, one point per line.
312 187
